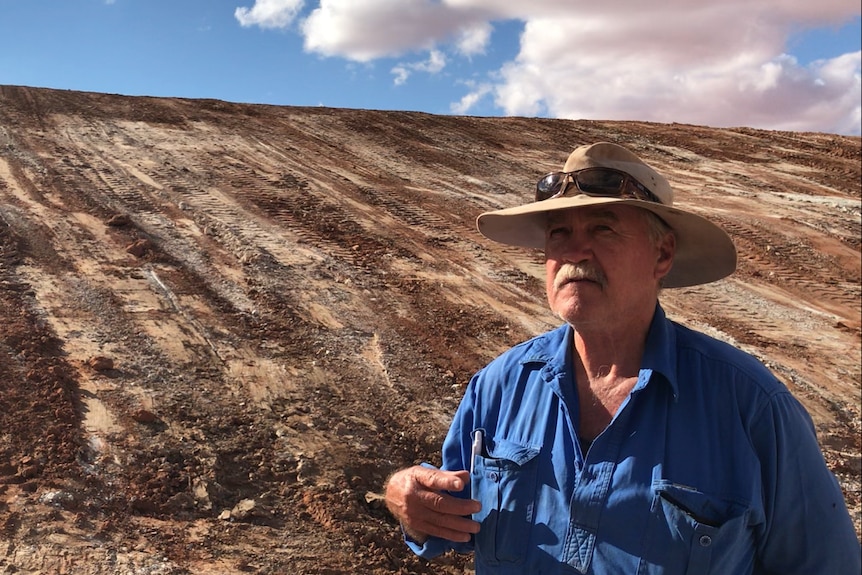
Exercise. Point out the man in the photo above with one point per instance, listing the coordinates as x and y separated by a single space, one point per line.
622 442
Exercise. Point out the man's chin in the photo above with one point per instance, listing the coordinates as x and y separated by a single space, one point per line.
574 311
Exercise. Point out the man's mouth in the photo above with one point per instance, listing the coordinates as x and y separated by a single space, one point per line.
570 273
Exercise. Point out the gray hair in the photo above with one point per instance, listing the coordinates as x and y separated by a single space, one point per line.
657 228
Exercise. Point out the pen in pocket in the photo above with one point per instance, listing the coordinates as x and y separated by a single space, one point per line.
476 450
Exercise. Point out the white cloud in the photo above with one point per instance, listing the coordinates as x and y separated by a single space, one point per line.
435 63
701 74
401 74
469 101
269 13
363 31
474 40
714 62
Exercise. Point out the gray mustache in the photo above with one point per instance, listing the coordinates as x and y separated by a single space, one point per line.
569 272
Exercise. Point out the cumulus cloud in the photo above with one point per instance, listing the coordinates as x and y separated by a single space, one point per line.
719 63
269 13
469 100
474 40
585 68
371 29
436 62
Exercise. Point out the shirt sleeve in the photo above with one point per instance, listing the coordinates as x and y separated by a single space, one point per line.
456 455
808 528
433 547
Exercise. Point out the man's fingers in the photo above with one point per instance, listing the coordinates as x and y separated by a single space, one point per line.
447 504
441 480
418 498
452 528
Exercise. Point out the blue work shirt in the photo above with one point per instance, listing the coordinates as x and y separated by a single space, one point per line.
710 466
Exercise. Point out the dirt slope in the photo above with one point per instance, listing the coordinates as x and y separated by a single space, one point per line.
222 326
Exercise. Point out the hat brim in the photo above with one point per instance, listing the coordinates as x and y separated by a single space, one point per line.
704 252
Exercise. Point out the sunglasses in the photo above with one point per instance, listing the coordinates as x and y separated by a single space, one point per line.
605 182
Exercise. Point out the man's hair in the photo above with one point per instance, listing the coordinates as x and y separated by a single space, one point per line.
657 228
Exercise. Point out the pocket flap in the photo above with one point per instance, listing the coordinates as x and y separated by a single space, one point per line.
703 508
511 451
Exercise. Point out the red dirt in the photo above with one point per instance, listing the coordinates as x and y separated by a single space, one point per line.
224 325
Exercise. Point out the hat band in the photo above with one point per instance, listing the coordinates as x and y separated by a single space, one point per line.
604 182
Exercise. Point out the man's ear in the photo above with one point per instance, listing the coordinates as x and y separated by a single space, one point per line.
666 252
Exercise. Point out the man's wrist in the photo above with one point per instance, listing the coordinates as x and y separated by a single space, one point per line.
413 536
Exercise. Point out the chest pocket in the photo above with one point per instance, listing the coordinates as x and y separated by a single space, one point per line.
504 481
696 534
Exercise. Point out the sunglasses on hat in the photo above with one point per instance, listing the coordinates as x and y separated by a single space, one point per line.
605 182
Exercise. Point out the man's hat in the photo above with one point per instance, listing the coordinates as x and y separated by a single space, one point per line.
704 252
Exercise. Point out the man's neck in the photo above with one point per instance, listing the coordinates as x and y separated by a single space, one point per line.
607 363
612 350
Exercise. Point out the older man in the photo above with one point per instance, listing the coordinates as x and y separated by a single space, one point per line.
622 442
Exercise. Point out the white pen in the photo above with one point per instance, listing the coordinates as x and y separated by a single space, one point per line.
476 451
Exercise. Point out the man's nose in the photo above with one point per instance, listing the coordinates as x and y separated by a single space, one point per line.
577 248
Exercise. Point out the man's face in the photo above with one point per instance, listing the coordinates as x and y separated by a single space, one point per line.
602 265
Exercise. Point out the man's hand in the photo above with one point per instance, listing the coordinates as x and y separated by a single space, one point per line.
415 496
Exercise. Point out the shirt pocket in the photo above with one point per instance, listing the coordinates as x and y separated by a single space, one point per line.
694 533
504 481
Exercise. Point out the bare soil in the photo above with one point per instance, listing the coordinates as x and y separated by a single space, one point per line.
222 326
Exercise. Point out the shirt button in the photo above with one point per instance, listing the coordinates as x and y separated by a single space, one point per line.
705 540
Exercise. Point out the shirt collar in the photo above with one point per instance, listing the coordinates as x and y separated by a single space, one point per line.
660 349
554 349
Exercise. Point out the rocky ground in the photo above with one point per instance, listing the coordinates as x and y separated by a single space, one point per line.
222 326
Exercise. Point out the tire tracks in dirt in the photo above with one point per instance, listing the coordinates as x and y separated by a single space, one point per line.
311 297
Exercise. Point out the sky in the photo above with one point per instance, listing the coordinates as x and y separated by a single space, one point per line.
770 64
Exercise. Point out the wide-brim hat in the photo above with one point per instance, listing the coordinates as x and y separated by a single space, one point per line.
704 252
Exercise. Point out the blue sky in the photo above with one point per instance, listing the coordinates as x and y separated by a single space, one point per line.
773 64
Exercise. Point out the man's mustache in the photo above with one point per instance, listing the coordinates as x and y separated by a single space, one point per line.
579 271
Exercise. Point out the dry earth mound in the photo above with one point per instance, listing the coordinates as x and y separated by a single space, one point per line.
223 325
